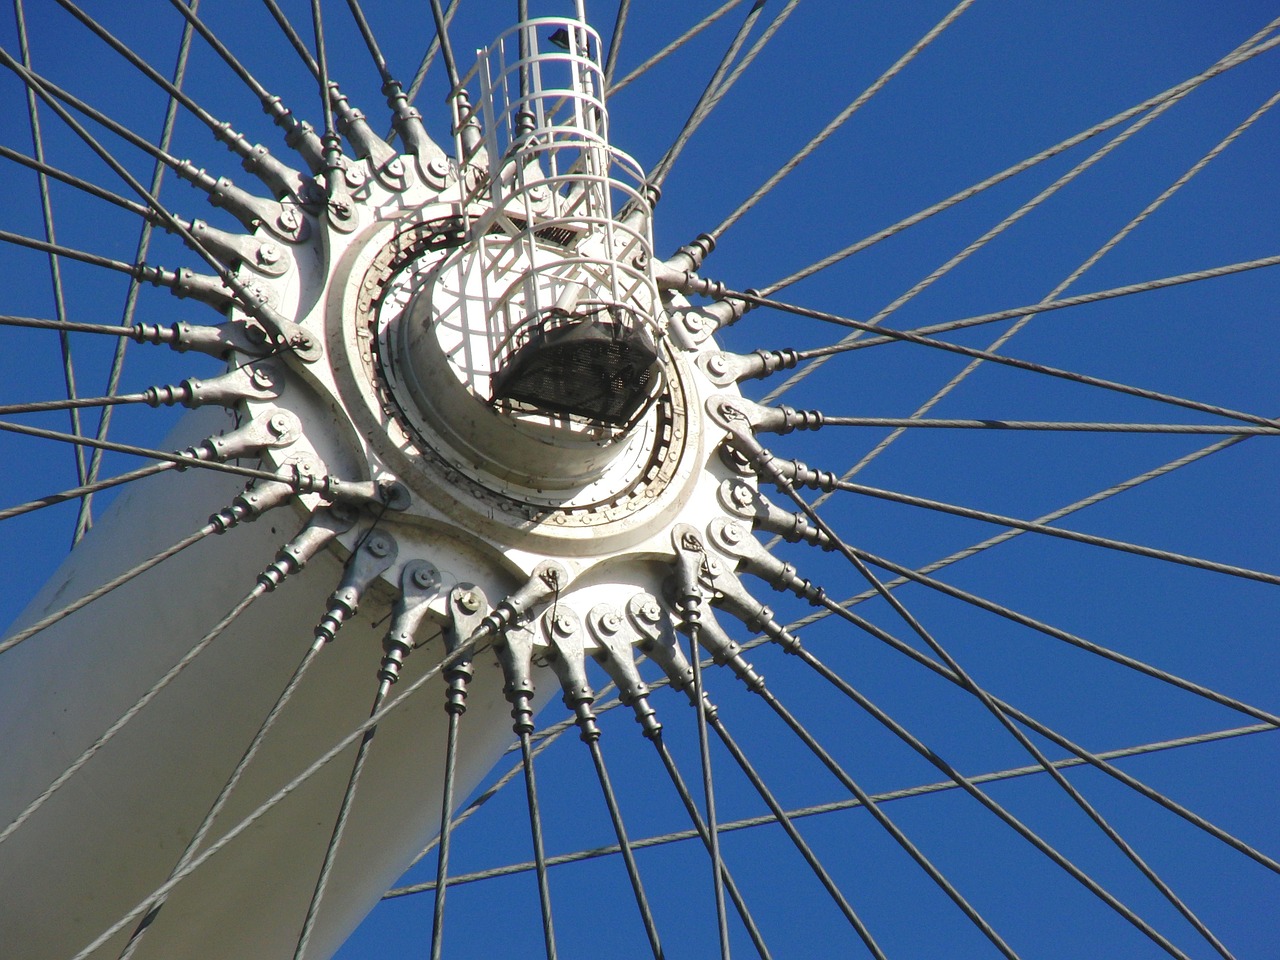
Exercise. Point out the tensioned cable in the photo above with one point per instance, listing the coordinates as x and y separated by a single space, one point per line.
615 42
987 701
1039 626
1026 208
1044 528
836 122
1030 366
702 708
883 335
719 84
299 46
763 460
224 794
748 823
784 821
539 854
76 493
624 843
467 649
1270 720
1251 48
181 459
55 268
996 808
903 423
370 41
1071 278
432 48
169 676
700 831
446 48
445 834
79 183
1094 498
674 45
883 819
660 169
49 91
803 588
340 822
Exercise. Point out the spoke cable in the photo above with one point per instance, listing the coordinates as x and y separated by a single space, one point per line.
784 821
1027 365
850 803
674 45
169 676
703 708
987 701
1028 207
55 268
140 255
838 121
1253 47
706 100
339 824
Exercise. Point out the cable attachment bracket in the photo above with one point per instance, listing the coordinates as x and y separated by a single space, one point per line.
321 529
658 641
372 557
727 652
563 631
781 419
616 638
253 381
753 558
467 606
256 499
723 368
271 429
420 583
515 655
747 503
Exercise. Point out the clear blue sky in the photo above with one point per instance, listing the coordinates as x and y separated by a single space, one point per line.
1007 80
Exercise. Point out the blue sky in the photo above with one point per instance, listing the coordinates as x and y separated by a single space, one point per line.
1004 82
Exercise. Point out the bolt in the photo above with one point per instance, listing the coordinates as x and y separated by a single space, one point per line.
288 219
261 377
300 341
650 612
732 533
610 623
538 193
563 625
279 424
353 176
395 168
469 602
340 209
438 167
423 577
378 545
717 364
742 495
268 253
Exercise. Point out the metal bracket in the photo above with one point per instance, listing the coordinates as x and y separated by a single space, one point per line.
747 503
273 428
659 640
252 381
420 583
563 631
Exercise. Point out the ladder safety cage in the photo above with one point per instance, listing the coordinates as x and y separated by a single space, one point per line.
571 301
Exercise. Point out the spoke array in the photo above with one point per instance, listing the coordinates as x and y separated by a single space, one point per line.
698 586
